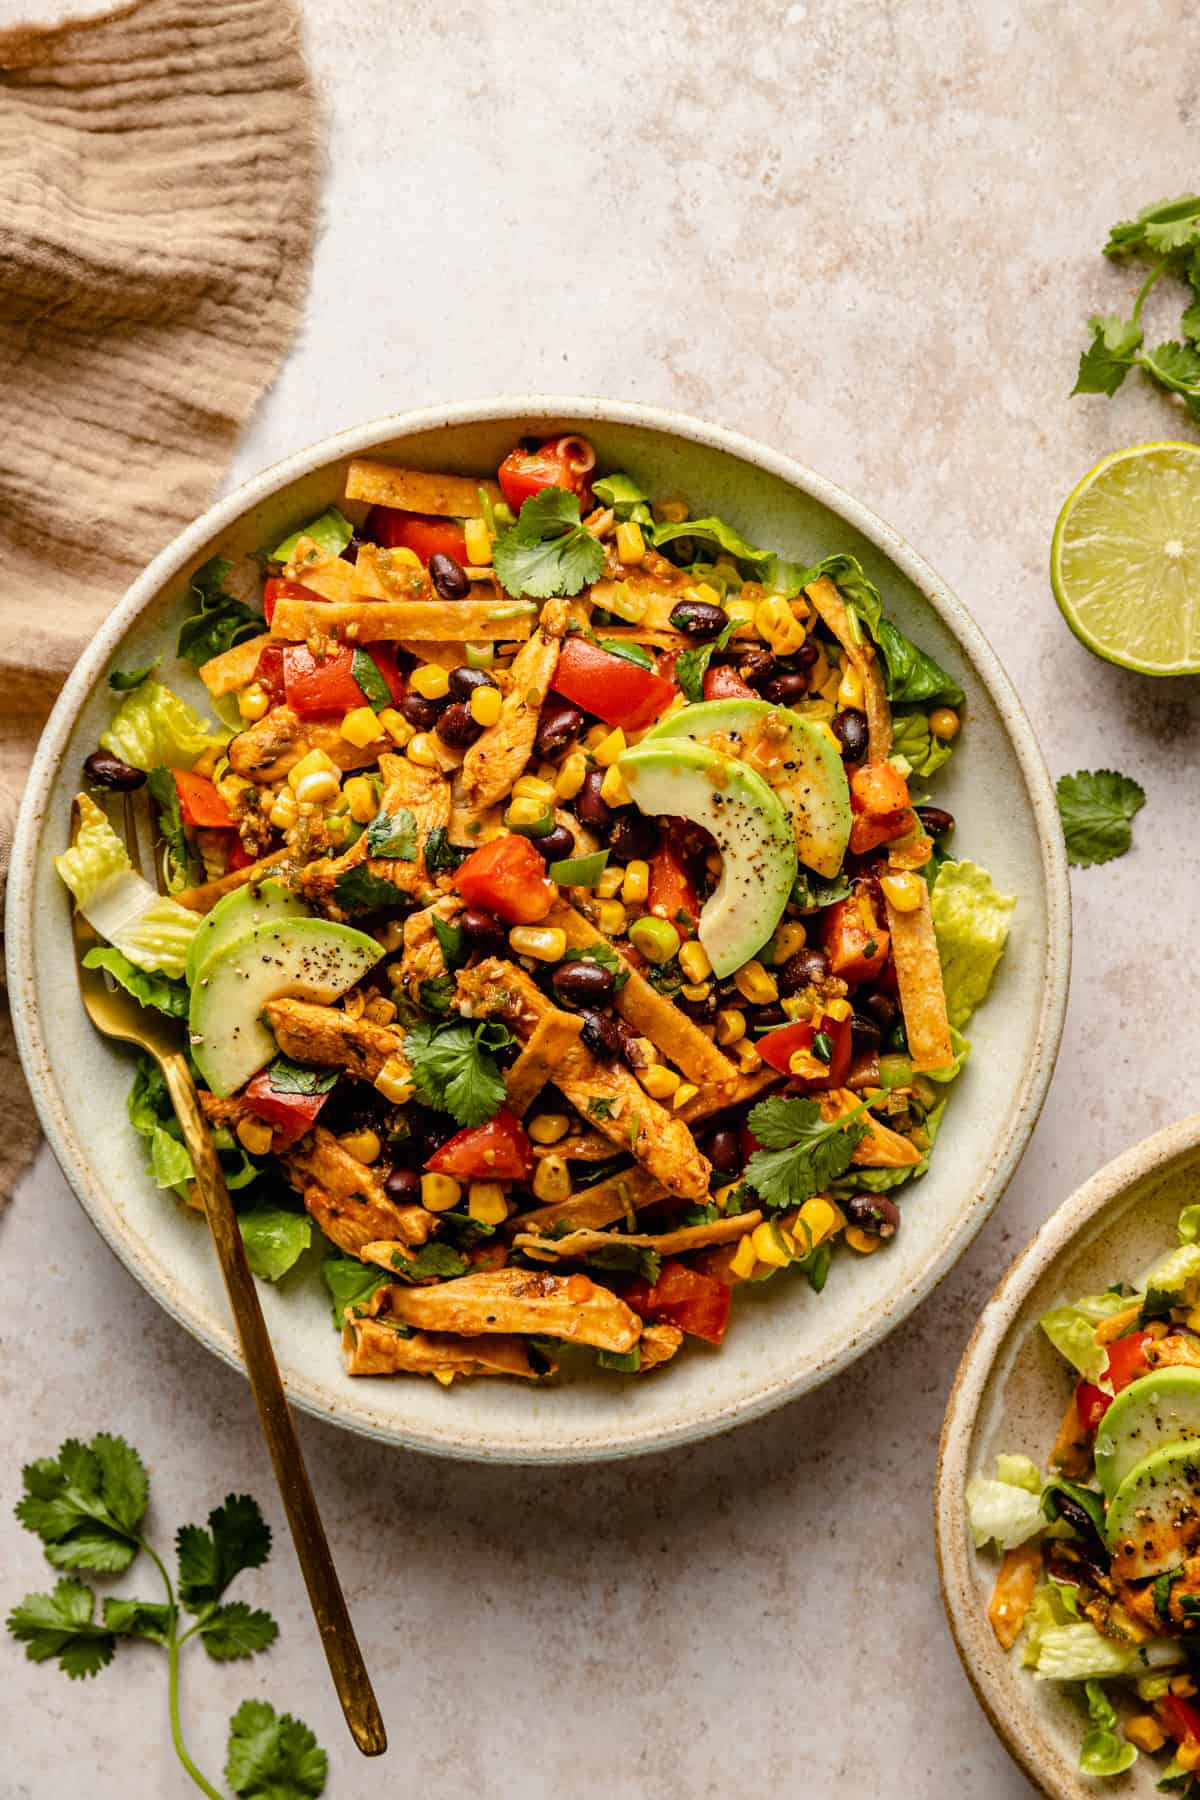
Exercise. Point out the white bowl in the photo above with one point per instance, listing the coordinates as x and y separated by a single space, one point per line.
784 1339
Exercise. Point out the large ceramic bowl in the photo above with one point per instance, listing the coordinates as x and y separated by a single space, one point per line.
1010 1393
786 1339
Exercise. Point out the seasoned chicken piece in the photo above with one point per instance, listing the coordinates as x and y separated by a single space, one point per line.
347 1198
581 1244
658 1344
578 1146
265 751
373 1347
500 754
417 800
628 1116
882 1148
549 1041
422 959
622 1196
331 1039
571 1307
223 1112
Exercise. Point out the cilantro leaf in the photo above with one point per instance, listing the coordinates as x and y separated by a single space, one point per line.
802 1153
182 865
630 652
1096 807
394 835
237 1630
138 1618
86 1504
1175 367
359 890
1164 228
547 551
691 666
427 1261
451 941
440 853
273 1756
350 1283
219 620
453 1072
122 681
238 1538
635 1259
159 991
288 1077
61 1625
1109 357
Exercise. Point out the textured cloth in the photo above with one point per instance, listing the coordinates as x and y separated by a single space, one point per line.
158 182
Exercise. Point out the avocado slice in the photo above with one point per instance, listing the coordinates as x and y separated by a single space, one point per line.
680 779
235 914
1153 1519
807 772
1152 1412
315 959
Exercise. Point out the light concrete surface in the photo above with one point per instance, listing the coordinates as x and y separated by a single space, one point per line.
868 234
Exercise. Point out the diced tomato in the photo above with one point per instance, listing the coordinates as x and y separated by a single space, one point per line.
200 803
683 1296
1126 1361
384 657
563 462
319 686
276 588
425 534
507 877
268 672
618 691
291 1114
237 856
497 1151
778 1047
724 683
1181 1719
854 942
671 894
880 803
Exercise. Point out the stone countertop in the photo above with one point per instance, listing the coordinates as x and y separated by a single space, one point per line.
868 234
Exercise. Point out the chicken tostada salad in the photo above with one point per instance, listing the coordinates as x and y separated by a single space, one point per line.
557 914
1099 1580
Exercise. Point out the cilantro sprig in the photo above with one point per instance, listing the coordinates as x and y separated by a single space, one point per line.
1097 807
453 1069
802 1152
547 551
87 1505
1167 235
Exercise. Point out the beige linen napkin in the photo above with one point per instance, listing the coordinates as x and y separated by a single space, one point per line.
158 184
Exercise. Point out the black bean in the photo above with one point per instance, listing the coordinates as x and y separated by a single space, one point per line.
803 970
482 930
633 835
464 681
583 983
785 687
601 1035
873 1213
724 1151
448 576
936 821
591 808
350 553
110 772
456 727
850 730
701 1010
754 665
699 620
881 1007
419 711
628 1043
868 1033
559 724
765 1018
805 656
403 1186
556 844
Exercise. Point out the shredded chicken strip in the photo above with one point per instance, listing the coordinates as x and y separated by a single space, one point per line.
578 1146
347 1198
331 1039
882 1148
423 959
499 755
581 1244
373 1347
424 794
571 1307
266 750
861 652
658 1344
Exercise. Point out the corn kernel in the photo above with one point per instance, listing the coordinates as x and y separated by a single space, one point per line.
659 1081
1146 1732
611 881
549 1128
552 1179
361 727
625 604
740 611
529 787
747 1056
671 512
379 1011
314 763
838 1010
445 1377
631 545
439 1192
944 722
421 750
636 882
743 1261
255 1136
769 1246
1187 1753
284 812
486 1203
545 943
524 810
479 542
394 1081
610 747
687 1090
254 702
610 917
485 705
318 788
788 939
731 1025
406 558
807 1067
754 984
696 990
396 726
778 624
819 1220
363 1145
694 961
862 1241
613 790
1183 1685
431 681
850 687
359 795
642 1053
596 734
905 890
571 776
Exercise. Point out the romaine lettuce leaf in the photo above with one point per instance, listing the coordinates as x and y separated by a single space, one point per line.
971 920
170 997
153 1117
1019 1471
350 1283
626 498
274 1239
1172 1281
332 531
1077 1652
1072 1331
1104 1751
913 740
1002 1510
911 677
152 932
153 727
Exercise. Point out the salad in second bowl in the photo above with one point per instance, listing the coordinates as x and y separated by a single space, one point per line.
558 917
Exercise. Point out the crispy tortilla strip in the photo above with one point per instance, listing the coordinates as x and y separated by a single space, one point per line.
882 1148
581 1243
413 490
373 1347
550 1040
407 788
233 669
652 1015
919 978
329 1038
571 1307
658 1344
500 753
745 1087
266 750
202 899
861 653
632 1120
347 1198
1072 1452
422 959
378 575
377 621
620 1197
1012 1595
578 1146
320 571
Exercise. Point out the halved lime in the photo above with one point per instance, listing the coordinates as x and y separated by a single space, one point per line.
1125 562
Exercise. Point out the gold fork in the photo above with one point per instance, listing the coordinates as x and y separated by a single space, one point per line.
118 1015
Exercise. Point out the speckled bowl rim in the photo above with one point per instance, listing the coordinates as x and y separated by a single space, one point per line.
717 1415
1017 1726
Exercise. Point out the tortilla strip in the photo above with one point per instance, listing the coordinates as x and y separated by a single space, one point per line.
617 1198
202 899
320 570
378 621
413 490
745 1087
233 669
371 1347
919 978
578 1146
549 1041
499 754
651 1014
829 603
571 1307
668 1243
882 1148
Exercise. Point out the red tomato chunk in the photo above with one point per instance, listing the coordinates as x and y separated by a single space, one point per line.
616 690
697 1303
497 1151
507 877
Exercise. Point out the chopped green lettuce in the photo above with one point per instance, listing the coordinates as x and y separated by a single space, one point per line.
153 728
1189 1225
971 920
911 677
1072 1331
331 531
914 744
170 997
152 932
1077 1652
626 498
152 1115
1019 1471
1172 1281
350 1283
275 1239
1104 1751
1003 1510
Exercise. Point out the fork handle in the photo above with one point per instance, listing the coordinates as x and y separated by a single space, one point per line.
342 1653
